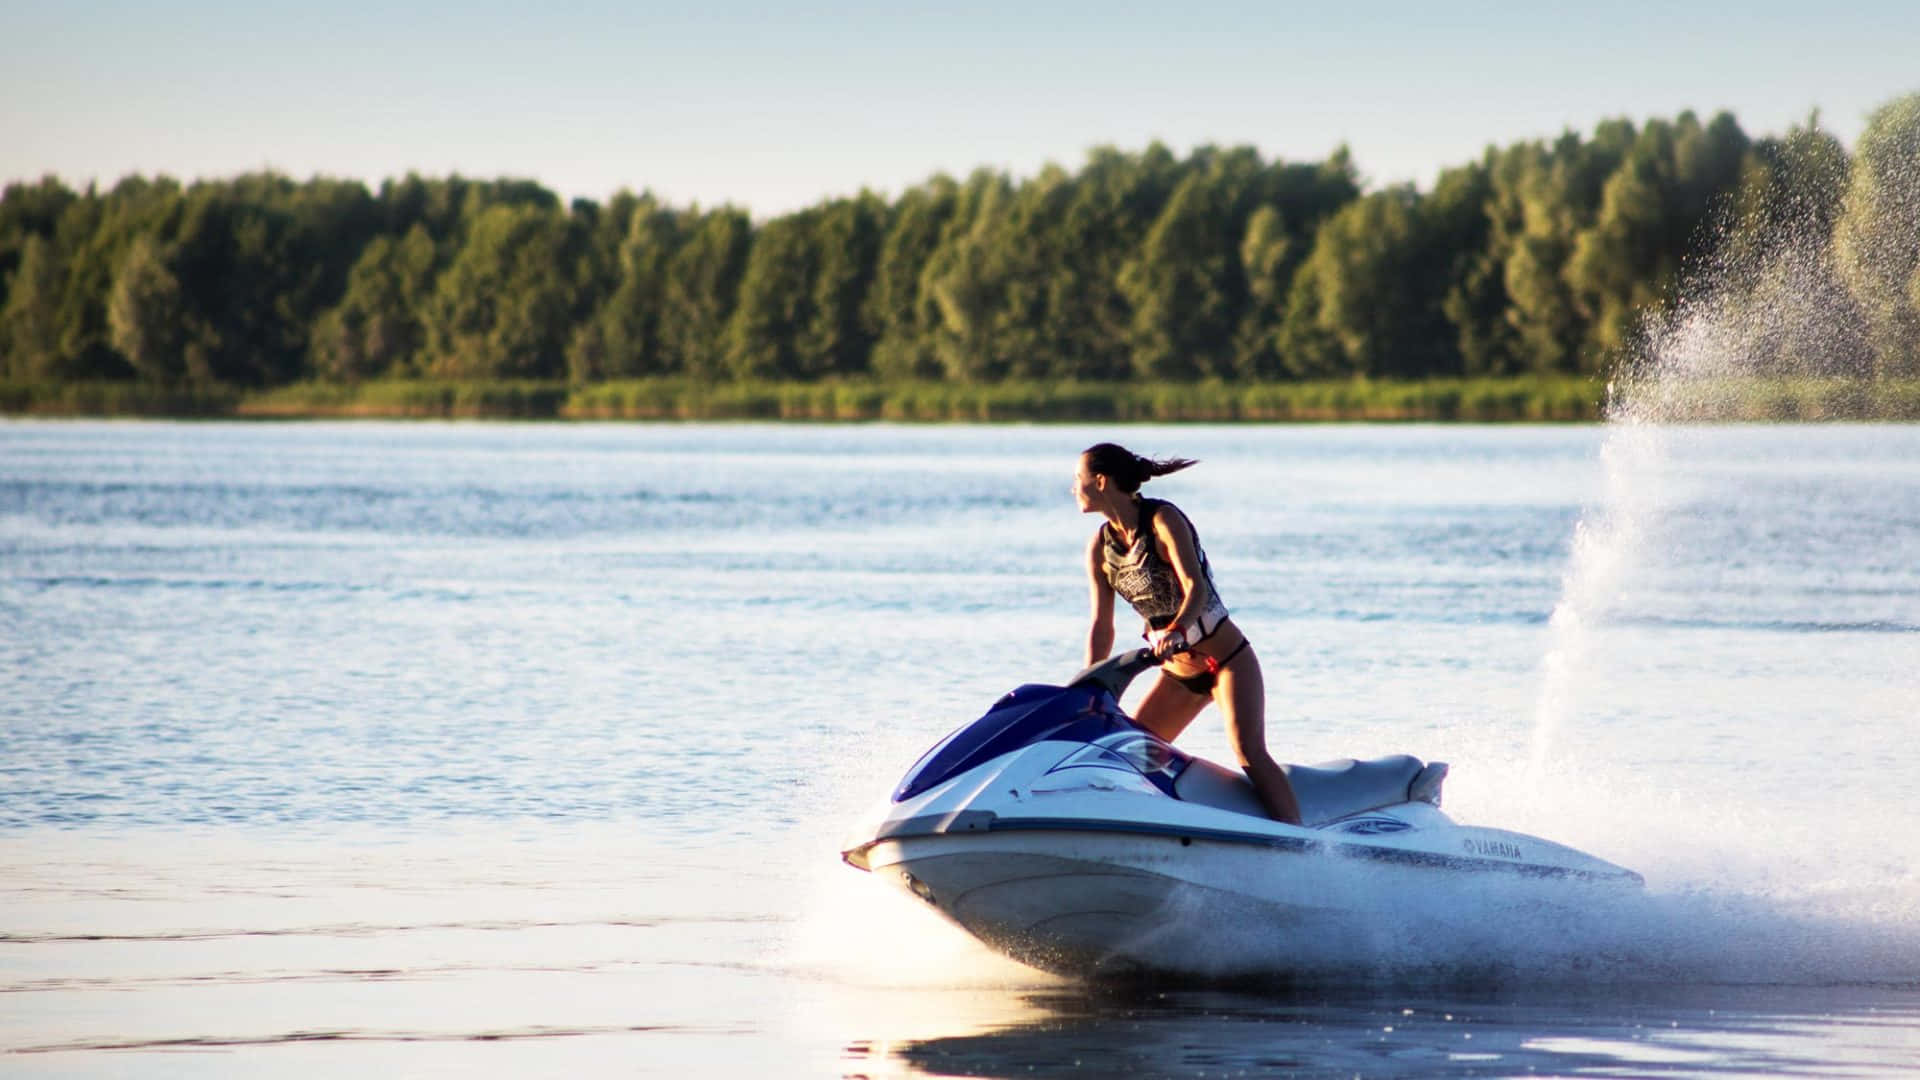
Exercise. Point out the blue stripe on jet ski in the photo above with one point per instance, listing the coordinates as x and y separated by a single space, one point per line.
1304 844
1147 828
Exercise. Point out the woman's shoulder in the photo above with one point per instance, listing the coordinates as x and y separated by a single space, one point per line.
1170 523
1162 511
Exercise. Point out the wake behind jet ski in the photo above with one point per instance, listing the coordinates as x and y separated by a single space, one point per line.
1061 833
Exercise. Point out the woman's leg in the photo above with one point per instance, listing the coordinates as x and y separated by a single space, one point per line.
1168 708
1242 694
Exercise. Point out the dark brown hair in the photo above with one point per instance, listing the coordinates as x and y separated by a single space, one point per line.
1128 469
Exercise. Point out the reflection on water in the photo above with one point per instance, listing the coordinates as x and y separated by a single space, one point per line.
1698 1031
200 950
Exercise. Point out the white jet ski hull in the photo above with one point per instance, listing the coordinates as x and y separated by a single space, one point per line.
1081 902
1058 832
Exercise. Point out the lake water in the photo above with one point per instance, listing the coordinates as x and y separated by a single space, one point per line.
526 749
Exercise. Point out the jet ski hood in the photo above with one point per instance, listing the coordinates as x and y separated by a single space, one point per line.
1034 713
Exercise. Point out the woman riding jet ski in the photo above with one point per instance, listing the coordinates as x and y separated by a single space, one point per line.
1074 837
1149 554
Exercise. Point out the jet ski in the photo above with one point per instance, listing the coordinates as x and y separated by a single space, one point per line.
1061 833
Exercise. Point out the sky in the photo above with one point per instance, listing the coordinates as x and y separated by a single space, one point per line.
774 108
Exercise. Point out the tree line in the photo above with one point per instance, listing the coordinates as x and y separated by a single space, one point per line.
1541 257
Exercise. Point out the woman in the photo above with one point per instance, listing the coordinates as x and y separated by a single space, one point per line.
1147 552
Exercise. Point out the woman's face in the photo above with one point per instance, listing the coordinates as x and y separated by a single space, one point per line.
1088 487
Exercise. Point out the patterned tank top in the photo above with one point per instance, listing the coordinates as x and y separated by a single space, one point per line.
1146 580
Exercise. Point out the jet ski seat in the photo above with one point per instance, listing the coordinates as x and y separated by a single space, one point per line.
1327 792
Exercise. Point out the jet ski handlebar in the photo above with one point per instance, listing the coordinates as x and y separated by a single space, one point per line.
1115 672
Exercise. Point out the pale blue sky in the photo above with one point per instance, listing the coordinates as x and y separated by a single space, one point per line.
772 108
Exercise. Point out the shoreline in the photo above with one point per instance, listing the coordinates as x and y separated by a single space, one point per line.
1513 399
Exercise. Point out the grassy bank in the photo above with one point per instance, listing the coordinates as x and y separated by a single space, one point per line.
1437 399
410 398
1521 398
115 399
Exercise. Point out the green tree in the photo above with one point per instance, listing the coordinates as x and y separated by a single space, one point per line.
435 205
1619 267
1774 262
1021 266
775 302
26 211
146 316
1267 254
1543 197
902 316
1788 193
1182 285
1877 235
1475 302
259 258
504 307
1477 305
30 320
1308 193
1627 263
839 337
964 281
447 207
93 237
377 328
802 311
1368 299
1001 290
703 285
624 337
1108 208
1293 202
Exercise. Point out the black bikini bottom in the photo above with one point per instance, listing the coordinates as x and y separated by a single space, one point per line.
1204 682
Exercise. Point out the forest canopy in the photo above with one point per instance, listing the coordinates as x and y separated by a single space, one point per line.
1539 258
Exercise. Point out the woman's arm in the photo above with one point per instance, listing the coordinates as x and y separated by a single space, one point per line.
1176 539
1100 635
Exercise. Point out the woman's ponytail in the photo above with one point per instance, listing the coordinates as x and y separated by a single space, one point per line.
1127 469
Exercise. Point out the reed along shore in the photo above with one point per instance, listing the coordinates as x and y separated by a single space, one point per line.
1527 399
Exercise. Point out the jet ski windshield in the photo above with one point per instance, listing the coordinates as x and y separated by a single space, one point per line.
1033 713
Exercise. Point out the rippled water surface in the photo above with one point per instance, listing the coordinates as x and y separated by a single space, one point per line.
499 749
